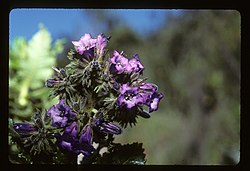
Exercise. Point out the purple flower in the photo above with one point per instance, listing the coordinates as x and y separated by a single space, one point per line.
101 44
150 96
85 43
68 143
60 114
148 87
86 136
135 65
145 94
154 101
85 149
72 129
24 128
129 96
119 63
65 142
107 127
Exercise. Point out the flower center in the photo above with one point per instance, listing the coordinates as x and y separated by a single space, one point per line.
119 64
129 96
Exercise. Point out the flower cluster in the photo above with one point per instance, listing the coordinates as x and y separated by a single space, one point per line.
61 114
72 139
98 96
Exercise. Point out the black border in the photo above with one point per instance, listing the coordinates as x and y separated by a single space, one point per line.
5 8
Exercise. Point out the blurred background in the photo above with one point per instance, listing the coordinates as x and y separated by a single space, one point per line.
192 55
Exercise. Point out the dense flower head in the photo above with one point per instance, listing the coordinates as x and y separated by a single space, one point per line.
60 114
102 91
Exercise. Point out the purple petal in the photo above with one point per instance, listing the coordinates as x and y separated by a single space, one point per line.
111 128
60 114
66 145
59 121
149 87
120 62
86 135
72 129
155 101
76 43
85 43
24 128
131 103
135 64
101 43
124 88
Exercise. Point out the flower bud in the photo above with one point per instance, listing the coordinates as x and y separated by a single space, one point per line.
24 128
144 114
50 83
108 127
86 135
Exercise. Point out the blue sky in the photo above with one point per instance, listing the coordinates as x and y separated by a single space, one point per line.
76 22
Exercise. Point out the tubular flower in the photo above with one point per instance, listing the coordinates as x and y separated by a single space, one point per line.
60 114
24 128
145 94
119 63
85 43
107 127
128 96
101 43
86 136
71 129
135 65
68 143
150 96
153 103
85 46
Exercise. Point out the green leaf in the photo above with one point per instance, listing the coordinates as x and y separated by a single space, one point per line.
128 154
30 62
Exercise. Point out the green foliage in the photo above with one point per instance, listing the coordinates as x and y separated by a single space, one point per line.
29 66
33 147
